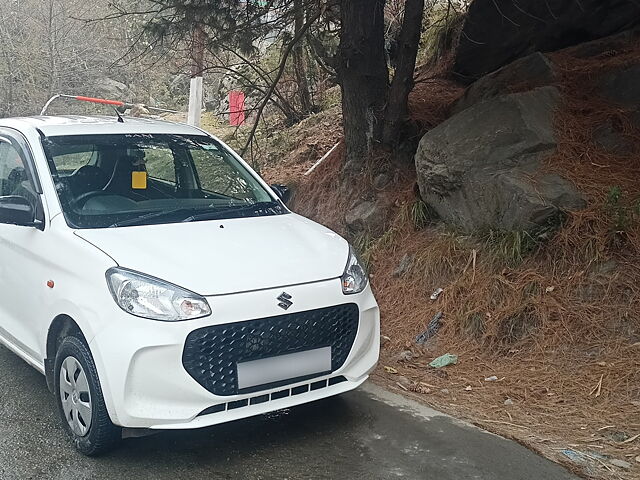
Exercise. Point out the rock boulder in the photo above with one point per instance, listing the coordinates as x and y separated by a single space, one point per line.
606 45
367 217
532 71
480 169
496 32
113 89
623 86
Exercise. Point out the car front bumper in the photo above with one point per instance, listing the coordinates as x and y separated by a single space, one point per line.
146 385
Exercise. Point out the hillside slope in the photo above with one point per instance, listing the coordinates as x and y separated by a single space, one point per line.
556 323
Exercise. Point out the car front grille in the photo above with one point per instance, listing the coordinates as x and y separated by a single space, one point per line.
211 353
288 392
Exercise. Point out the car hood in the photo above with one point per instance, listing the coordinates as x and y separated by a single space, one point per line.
227 256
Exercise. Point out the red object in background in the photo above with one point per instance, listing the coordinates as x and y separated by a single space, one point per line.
236 108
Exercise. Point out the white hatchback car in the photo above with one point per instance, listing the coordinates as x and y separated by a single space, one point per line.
159 283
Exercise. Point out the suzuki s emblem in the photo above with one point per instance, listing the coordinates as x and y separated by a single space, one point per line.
285 301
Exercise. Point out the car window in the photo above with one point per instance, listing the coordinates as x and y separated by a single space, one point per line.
70 162
14 179
153 178
160 163
217 175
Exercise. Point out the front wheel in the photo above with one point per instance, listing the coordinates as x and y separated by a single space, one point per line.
80 400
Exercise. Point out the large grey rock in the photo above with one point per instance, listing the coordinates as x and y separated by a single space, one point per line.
609 138
367 217
606 45
532 71
496 32
622 86
111 88
480 169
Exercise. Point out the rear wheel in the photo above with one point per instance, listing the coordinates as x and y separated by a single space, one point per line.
80 400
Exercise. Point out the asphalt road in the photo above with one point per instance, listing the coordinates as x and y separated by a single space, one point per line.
366 434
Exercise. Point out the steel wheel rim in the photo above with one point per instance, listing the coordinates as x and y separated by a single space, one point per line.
75 396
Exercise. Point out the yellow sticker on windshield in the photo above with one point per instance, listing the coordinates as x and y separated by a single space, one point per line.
139 180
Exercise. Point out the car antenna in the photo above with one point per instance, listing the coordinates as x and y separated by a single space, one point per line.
120 119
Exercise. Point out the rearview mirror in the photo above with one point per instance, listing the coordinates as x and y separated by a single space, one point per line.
282 191
16 210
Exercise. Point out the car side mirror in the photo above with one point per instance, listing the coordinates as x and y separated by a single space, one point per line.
282 191
17 210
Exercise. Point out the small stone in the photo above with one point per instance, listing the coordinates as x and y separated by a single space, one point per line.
508 401
366 216
605 267
404 356
404 265
620 463
421 389
445 391
381 181
618 436
611 140
492 378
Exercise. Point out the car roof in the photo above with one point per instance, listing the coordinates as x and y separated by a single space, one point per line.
52 126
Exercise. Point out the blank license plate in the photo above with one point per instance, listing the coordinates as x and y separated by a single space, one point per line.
283 367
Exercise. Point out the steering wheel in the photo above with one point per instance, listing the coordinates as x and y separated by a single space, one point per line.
80 200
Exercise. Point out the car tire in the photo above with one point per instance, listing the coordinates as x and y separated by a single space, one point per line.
80 401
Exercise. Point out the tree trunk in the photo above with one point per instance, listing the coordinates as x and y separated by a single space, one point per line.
299 62
396 114
363 76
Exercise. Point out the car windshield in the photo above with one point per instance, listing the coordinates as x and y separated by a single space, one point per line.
140 179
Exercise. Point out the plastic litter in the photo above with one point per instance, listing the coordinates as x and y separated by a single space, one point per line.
431 330
589 460
492 378
444 360
575 456
436 294
620 463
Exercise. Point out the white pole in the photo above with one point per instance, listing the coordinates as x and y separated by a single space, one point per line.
313 167
195 101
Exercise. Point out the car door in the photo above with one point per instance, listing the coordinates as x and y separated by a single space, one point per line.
22 266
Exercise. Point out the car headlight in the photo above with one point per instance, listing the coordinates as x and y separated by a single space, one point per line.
354 279
148 297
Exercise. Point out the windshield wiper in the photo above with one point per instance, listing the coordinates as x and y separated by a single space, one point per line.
148 216
270 208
